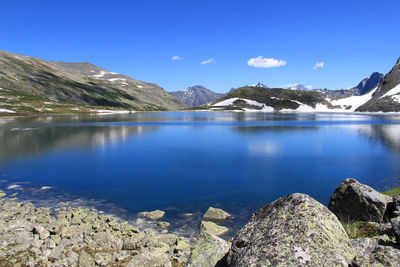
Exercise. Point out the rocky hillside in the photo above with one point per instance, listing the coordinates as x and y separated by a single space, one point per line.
78 83
387 96
196 96
275 99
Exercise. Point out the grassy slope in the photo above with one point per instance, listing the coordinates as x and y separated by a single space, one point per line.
42 78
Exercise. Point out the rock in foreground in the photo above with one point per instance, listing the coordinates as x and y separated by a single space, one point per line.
353 201
291 231
208 250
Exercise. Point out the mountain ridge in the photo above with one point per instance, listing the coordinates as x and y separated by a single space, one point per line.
80 83
195 96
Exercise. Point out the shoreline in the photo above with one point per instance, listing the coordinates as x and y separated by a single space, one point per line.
80 236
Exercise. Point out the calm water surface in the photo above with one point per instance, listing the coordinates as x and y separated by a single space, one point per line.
183 162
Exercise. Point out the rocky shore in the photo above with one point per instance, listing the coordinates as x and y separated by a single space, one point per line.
294 230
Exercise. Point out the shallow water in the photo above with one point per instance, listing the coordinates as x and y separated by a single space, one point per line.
183 162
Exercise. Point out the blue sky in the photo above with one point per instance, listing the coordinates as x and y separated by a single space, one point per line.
140 38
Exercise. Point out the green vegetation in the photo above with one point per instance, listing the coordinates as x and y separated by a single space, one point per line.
276 97
360 229
392 192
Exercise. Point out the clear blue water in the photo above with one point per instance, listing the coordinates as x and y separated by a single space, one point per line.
186 161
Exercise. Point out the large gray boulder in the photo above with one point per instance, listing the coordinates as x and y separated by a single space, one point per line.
291 231
353 201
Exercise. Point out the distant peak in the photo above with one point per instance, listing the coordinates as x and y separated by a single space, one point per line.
259 84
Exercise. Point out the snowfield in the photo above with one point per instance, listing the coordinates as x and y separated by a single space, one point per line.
353 101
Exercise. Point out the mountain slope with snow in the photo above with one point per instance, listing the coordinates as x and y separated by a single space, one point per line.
196 96
387 95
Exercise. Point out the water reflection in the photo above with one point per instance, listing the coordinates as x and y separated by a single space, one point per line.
387 134
17 142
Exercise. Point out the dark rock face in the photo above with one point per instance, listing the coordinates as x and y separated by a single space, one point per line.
368 84
387 103
196 96
355 201
291 231
362 88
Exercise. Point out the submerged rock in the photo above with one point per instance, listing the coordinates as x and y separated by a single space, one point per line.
291 231
2 194
353 201
212 228
208 250
163 224
216 215
152 215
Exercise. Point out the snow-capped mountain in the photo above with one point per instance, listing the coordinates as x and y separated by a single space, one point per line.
259 84
196 96
299 86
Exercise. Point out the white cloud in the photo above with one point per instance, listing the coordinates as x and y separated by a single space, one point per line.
288 85
210 60
261 62
176 58
309 87
318 65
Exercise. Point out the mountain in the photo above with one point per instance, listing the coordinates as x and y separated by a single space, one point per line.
271 100
368 84
196 96
299 87
363 87
259 84
386 97
79 84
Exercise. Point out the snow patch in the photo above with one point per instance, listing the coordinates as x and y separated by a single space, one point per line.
353 101
226 102
230 101
140 86
3 110
106 111
117 79
392 92
102 73
396 98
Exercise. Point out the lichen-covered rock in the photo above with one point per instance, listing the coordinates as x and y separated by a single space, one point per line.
212 228
216 215
150 259
208 250
152 215
291 231
102 259
86 260
370 253
358 202
396 225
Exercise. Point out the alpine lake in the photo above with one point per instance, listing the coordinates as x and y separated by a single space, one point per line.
185 162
